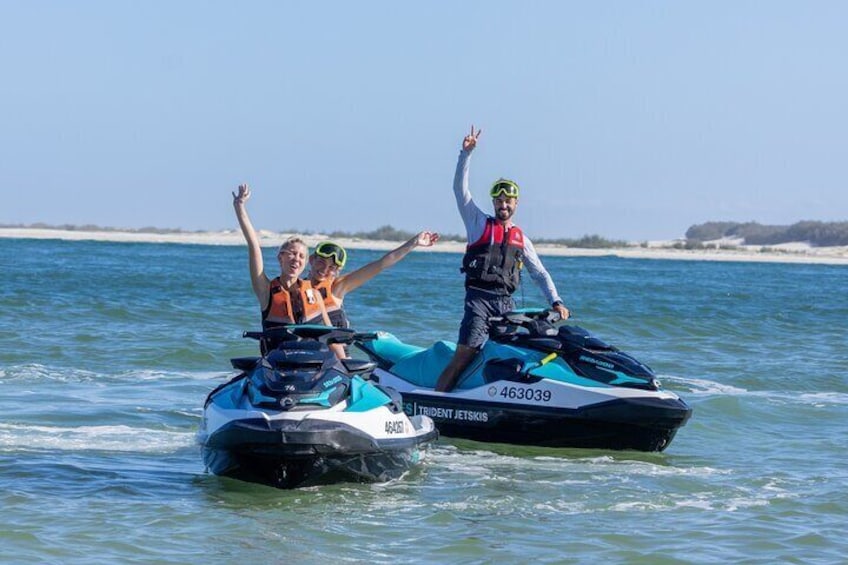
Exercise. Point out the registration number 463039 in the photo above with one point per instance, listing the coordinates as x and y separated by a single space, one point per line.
525 393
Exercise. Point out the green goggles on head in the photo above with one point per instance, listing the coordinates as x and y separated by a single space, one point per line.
330 250
504 187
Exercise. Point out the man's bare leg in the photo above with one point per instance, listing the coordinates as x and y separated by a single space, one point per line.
460 360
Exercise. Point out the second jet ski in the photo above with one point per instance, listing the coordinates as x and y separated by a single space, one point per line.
534 383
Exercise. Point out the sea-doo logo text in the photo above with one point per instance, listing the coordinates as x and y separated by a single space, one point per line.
332 382
597 362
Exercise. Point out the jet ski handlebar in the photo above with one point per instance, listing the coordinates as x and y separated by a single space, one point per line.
326 334
525 317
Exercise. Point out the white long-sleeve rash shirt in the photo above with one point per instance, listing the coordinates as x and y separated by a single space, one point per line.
475 223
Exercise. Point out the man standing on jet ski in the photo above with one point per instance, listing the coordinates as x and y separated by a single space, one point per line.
496 252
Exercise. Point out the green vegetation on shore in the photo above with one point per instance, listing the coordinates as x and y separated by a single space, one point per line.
385 233
817 234
92 227
388 233
585 242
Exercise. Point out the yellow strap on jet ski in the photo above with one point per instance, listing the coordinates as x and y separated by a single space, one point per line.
548 359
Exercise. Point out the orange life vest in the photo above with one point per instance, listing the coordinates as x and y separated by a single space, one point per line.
333 305
297 306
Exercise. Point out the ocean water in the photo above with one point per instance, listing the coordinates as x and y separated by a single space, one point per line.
107 351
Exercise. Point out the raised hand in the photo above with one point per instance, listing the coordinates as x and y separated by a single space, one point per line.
470 141
427 238
242 196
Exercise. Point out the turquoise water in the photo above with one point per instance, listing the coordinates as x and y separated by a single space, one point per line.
107 351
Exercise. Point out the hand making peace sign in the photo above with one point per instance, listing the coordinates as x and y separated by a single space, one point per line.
470 141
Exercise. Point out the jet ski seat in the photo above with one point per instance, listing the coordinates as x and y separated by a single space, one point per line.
424 367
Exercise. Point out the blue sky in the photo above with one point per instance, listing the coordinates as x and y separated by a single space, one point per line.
630 120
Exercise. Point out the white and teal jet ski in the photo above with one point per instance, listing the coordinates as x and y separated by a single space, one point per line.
298 416
534 383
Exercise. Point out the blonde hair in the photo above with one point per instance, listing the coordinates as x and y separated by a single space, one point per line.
292 241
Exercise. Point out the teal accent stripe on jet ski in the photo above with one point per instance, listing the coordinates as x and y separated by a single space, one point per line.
564 373
558 370
621 379
364 397
322 399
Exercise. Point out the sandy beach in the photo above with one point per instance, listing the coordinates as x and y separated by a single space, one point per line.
784 253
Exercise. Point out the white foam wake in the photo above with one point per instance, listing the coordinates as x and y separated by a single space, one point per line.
121 438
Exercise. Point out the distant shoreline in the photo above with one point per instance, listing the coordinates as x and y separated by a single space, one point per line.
784 253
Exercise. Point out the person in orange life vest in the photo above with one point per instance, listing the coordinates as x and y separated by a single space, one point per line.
285 299
497 251
329 259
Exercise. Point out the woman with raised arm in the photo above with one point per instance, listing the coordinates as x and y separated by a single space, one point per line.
329 259
285 299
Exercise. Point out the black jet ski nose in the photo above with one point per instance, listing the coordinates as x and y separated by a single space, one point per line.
579 337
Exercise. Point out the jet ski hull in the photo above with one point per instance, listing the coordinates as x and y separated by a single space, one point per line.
632 424
537 386
298 416
290 454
